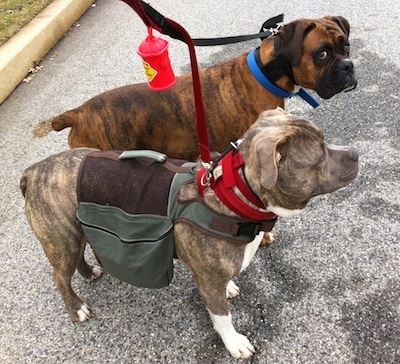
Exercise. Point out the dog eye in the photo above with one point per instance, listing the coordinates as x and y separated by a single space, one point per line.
324 54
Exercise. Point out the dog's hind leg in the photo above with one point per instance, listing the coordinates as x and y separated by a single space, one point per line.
64 265
64 249
90 272
77 309
51 204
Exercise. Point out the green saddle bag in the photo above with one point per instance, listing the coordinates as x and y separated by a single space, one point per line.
137 249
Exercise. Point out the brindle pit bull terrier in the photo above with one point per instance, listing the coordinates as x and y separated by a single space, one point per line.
316 56
286 163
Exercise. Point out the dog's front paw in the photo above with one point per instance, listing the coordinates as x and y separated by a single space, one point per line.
268 238
232 290
239 346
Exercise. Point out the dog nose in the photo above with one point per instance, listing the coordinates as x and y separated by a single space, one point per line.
347 65
353 154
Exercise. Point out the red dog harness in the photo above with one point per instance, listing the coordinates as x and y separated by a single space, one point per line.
223 180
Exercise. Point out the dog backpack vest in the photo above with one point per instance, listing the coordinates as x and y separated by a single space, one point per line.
129 202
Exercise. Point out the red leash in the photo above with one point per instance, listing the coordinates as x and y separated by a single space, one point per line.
167 26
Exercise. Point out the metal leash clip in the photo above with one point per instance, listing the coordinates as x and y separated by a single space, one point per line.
207 176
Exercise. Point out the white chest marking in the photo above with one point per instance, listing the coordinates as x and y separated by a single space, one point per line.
282 212
250 250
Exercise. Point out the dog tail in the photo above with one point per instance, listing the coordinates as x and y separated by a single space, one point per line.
60 122
43 128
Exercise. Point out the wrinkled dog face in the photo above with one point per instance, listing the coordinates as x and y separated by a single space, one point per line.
288 162
325 53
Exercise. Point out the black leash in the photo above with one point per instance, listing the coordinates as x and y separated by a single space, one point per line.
152 17
269 27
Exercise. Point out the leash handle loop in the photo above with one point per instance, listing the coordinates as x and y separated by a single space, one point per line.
130 154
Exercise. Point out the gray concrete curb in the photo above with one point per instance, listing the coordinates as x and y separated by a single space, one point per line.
35 40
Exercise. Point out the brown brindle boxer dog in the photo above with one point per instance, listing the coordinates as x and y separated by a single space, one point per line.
315 56
286 163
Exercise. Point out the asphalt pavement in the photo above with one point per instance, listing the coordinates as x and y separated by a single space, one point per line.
328 289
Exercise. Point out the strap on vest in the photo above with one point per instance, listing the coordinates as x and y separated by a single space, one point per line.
242 228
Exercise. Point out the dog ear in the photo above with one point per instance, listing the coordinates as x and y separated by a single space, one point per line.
268 159
292 35
342 22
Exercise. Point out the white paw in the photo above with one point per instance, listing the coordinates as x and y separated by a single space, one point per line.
232 290
96 272
239 346
83 313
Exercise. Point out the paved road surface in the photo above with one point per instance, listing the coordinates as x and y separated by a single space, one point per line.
326 292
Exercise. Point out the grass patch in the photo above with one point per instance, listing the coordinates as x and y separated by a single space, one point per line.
15 14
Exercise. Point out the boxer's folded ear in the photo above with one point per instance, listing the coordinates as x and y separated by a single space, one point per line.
342 22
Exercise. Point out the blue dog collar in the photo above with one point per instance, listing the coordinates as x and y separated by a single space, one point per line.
271 87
